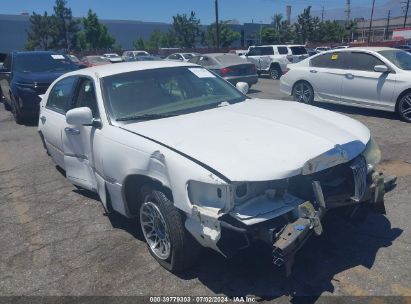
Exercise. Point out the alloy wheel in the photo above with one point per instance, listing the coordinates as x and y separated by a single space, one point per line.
303 93
155 230
274 74
404 107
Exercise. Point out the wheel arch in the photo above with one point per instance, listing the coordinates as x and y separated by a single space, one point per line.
400 96
132 186
299 81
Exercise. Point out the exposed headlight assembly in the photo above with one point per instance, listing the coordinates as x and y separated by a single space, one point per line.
208 195
372 154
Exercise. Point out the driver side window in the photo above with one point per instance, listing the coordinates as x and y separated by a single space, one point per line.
86 96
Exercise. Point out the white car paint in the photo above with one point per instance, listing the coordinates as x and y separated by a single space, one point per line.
367 89
113 57
192 154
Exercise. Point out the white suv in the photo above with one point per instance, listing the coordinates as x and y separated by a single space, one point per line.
273 59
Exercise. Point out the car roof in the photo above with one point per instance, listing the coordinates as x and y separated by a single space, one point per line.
365 48
35 52
125 67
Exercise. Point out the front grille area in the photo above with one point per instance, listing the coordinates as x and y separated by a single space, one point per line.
348 181
359 169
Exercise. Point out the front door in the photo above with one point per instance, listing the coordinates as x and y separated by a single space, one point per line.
78 141
363 86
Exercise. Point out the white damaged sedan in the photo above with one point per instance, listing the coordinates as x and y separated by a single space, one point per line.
200 163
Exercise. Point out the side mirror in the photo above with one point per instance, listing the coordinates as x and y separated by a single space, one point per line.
381 68
242 87
79 116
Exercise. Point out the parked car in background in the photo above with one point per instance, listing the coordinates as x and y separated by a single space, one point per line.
322 49
311 52
268 60
341 47
26 75
131 55
113 57
406 48
370 77
198 163
229 66
90 61
147 58
76 61
181 56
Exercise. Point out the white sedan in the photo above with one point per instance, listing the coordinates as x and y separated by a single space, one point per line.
184 57
200 163
372 77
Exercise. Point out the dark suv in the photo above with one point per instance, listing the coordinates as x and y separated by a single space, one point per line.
26 75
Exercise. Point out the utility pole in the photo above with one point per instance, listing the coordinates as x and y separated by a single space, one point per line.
406 12
217 25
372 15
322 14
388 24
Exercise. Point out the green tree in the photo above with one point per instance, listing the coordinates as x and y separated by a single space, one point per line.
286 33
140 44
227 35
64 27
40 34
305 25
269 35
169 39
94 34
155 40
186 29
277 19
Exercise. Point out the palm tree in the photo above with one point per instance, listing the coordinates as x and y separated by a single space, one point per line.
277 18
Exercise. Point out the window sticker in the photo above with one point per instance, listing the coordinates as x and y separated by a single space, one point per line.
202 73
58 57
334 56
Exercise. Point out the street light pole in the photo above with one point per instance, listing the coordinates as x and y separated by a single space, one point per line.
406 12
372 15
217 26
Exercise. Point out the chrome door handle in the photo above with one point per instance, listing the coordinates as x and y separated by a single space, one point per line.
313 71
349 76
72 131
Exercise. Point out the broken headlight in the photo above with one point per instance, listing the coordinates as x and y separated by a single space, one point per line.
208 195
372 154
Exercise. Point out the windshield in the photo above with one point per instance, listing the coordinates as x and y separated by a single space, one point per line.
37 62
165 91
399 58
188 55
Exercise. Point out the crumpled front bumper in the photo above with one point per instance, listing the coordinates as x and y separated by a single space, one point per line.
287 233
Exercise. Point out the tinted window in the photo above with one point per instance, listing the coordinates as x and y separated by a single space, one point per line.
362 62
282 50
267 50
59 98
329 60
298 50
194 59
400 58
86 96
40 62
205 61
254 51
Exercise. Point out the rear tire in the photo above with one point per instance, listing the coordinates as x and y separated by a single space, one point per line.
404 107
18 117
275 72
303 92
163 228
6 105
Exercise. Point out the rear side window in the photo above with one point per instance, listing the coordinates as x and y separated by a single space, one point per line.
362 62
328 60
60 95
256 51
298 50
282 50
267 50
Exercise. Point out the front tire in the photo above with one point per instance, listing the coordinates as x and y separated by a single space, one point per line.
404 107
303 92
163 228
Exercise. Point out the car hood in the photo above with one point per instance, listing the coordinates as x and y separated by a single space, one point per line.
41 77
257 139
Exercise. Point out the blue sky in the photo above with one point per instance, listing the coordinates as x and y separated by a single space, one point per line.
163 10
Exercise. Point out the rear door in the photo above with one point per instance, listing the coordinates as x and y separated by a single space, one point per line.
260 56
362 85
326 74
78 141
53 119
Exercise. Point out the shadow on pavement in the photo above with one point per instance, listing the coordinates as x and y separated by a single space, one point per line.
357 111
